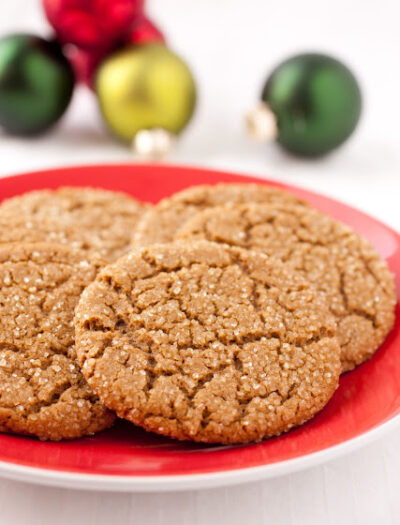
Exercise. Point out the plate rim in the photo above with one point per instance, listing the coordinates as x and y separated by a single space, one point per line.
186 482
182 482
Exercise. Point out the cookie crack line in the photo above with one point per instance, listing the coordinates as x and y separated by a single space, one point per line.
197 384
177 267
242 405
41 384
372 273
353 311
96 324
303 236
39 405
55 398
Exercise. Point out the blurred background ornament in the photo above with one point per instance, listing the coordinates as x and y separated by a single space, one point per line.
90 30
144 32
311 103
146 93
84 63
146 88
36 84
92 24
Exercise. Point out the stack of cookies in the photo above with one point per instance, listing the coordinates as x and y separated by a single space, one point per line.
224 314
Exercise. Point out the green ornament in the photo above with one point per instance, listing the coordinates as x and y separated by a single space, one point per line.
36 84
147 95
310 104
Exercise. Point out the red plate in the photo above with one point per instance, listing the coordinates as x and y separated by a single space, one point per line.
127 458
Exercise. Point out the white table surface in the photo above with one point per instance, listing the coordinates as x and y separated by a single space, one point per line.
231 45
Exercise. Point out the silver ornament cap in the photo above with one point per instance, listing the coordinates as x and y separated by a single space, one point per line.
153 144
261 123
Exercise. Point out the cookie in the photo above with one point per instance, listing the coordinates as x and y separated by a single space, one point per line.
21 228
204 342
161 222
98 220
42 390
355 281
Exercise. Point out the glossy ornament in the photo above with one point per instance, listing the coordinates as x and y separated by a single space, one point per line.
144 31
36 84
145 87
316 102
94 24
92 30
86 61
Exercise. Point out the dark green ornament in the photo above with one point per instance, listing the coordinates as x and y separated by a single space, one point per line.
316 103
36 84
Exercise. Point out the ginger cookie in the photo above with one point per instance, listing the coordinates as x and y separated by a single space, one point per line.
355 281
42 390
162 221
22 228
94 219
201 341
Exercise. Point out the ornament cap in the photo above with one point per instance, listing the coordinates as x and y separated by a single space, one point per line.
153 144
261 123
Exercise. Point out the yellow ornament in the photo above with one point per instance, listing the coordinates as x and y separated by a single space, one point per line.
145 87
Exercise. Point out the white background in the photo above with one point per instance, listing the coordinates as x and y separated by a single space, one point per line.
231 45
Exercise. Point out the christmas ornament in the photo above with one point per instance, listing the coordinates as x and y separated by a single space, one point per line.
90 30
85 62
36 83
310 104
145 89
144 32
92 24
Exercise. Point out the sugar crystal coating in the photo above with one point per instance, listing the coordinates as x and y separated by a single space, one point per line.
351 275
95 220
205 342
161 222
42 390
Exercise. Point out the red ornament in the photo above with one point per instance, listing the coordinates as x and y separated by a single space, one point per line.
84 63
92 24
91 29
144 32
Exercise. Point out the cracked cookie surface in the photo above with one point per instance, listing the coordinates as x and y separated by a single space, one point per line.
162 221
95 220
354 279
205 342
42 390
